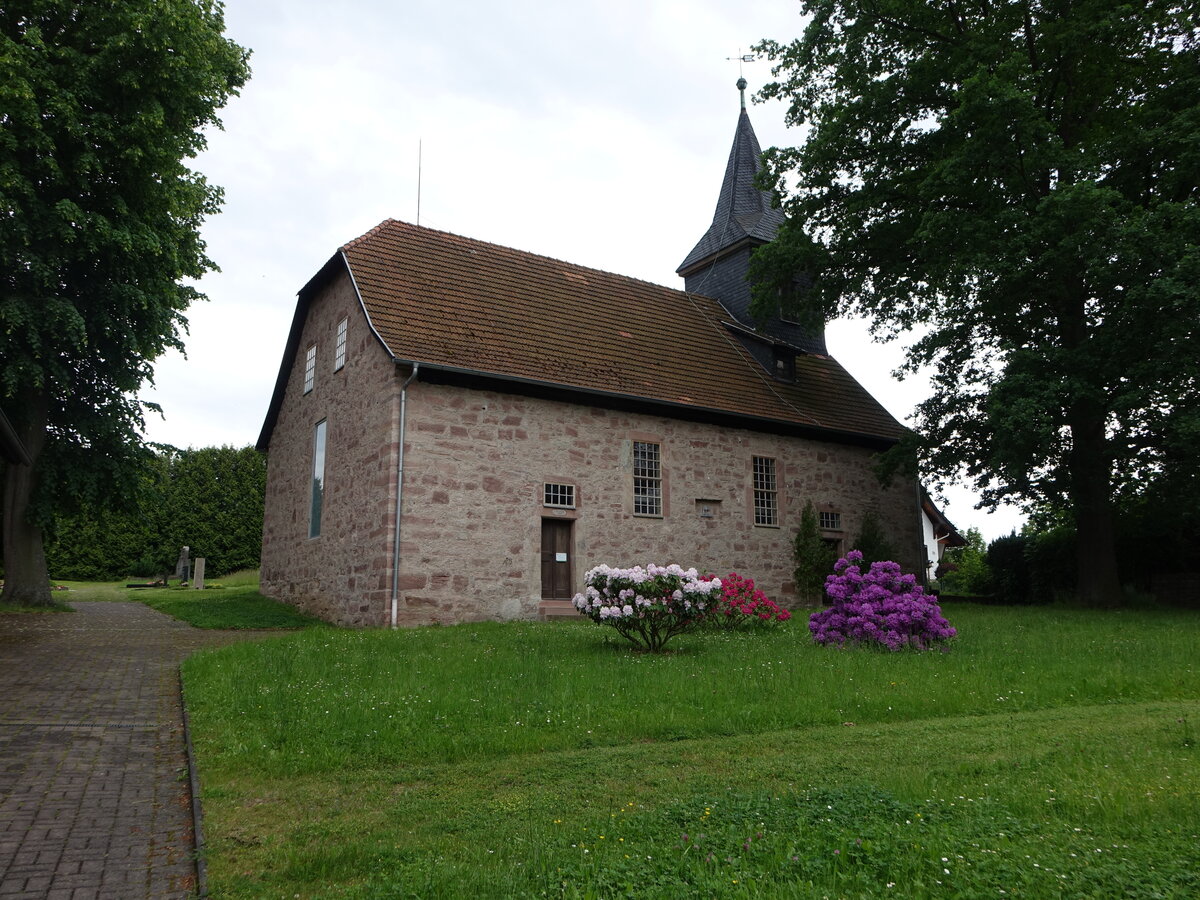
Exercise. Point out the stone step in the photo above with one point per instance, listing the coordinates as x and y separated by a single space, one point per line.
557 609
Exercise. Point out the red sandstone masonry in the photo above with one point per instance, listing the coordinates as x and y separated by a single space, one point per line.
475 463
487 535
345 574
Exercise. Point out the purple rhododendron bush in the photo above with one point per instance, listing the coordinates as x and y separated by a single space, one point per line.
881 606
647 606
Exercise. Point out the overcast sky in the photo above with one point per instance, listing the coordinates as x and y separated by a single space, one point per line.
594 131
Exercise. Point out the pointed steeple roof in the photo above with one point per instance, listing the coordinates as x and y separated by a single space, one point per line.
743 211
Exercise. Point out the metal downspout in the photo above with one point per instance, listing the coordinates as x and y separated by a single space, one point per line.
923 557
400 495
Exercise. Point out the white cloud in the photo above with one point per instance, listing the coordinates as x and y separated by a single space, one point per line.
591 131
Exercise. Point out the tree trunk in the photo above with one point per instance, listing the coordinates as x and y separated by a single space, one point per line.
1099 584
26 580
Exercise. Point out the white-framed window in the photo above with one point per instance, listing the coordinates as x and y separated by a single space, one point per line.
318 481
310 368
560 496
339 351
647 479
766 495
831 521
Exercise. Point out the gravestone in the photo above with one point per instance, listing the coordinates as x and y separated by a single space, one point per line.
198 574
183 568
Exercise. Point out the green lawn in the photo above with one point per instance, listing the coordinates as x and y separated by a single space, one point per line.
229 602
226 604
14 608
89 591
65 592
1050 752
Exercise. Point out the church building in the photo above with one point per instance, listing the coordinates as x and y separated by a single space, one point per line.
460 430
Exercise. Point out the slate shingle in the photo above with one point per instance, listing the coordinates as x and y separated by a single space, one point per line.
743 211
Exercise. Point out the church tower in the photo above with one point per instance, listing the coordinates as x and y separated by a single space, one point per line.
719 264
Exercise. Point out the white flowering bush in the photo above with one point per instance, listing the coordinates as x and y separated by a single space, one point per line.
647 606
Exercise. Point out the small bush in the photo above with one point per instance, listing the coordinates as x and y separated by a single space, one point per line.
872 540
1006 557
813 557
647 606
742 606
882 607
1050 559
964 570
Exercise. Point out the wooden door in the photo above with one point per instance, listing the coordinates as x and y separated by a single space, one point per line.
557 583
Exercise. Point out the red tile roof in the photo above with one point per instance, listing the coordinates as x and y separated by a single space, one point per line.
445 300
459 304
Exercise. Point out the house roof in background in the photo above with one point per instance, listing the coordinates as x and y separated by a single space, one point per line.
943 529
468 305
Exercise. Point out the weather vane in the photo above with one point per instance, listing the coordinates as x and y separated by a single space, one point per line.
741 82
742 58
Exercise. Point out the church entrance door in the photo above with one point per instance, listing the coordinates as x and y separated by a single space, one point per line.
556 559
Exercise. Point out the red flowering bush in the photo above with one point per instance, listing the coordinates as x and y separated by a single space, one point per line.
742 605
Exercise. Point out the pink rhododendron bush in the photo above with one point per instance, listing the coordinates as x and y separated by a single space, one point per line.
880 606
740 605
647 606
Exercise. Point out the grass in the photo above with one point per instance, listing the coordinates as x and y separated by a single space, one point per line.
14 608
59 599
92 591
231 602
1049 753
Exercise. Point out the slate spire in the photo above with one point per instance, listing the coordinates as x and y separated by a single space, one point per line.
745 218
743 211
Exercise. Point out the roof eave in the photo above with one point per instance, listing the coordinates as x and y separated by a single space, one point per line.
693 264
303 299
944 529
481 380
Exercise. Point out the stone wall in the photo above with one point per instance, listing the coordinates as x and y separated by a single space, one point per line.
475 465
344 575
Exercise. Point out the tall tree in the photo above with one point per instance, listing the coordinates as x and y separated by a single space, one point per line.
813 557
1019 181
209 499
101 105
872 541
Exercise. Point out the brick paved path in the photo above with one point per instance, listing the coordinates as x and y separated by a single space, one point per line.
93 781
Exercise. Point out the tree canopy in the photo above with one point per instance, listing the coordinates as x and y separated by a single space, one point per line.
210 500
872 541
101 107
1018 181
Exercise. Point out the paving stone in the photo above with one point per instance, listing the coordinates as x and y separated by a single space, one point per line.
92 802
